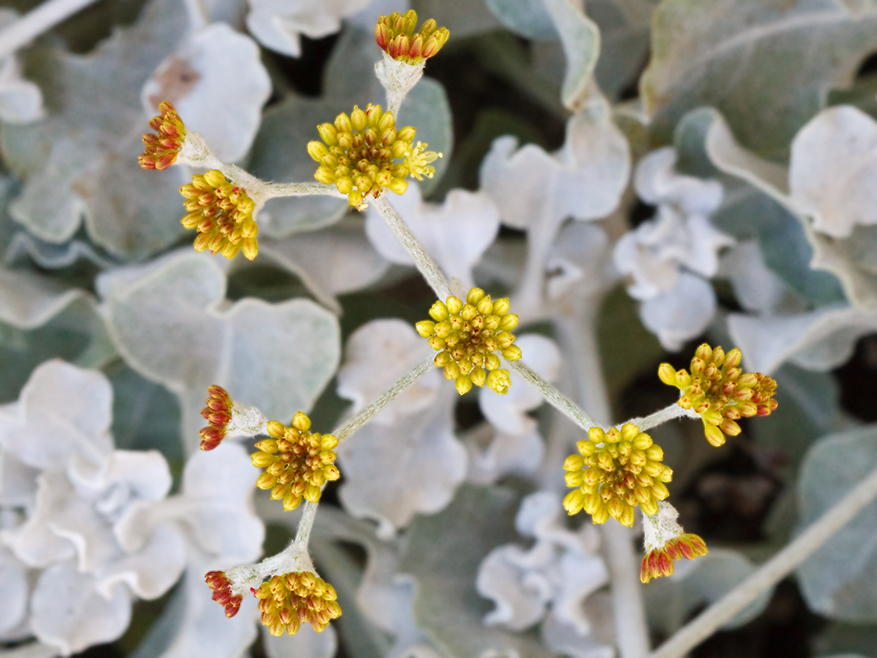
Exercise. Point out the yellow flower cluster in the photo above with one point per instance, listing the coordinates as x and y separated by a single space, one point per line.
395 35
160 150
359 153
296 462
614 472
720 391
288 601
223 215
466 337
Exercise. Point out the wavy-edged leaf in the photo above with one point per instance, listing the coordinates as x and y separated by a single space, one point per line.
81 161
446 605
171 324
837 580
767 65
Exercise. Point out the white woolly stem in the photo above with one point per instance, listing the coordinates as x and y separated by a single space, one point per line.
246 421
360 419
772 571
36 22
631 628
196 152
303 534
662 416
294 558
424 263
554 397
397 78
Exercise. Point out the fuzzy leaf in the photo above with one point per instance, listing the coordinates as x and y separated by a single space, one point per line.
82 159
767 65
169 322
446 604
836 581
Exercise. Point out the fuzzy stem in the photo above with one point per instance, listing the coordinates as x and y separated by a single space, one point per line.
772 571
554 397
36 22
424 263
197 153
631 629
303 534
360 419
662 416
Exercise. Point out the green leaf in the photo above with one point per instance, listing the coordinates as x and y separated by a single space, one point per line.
82 159
170 323
443 555
767 65
463 18
837 581
525 17
145 415
41 319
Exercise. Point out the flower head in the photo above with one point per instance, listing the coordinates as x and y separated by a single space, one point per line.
296 462
396 36
614 472
720 391
161 150
659 561
222 594
218 413
358 154
223 215
293 599
665 542
466 337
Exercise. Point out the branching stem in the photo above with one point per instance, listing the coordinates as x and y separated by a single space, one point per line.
422 261
360 419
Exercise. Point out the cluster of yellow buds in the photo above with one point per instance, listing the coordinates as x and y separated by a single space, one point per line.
223 215
659 561
396 36
614 472
222 593
720 391
466 337
296 462
359 153
218 413
160 150
288 601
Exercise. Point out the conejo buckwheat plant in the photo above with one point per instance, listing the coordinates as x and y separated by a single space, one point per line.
394 328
